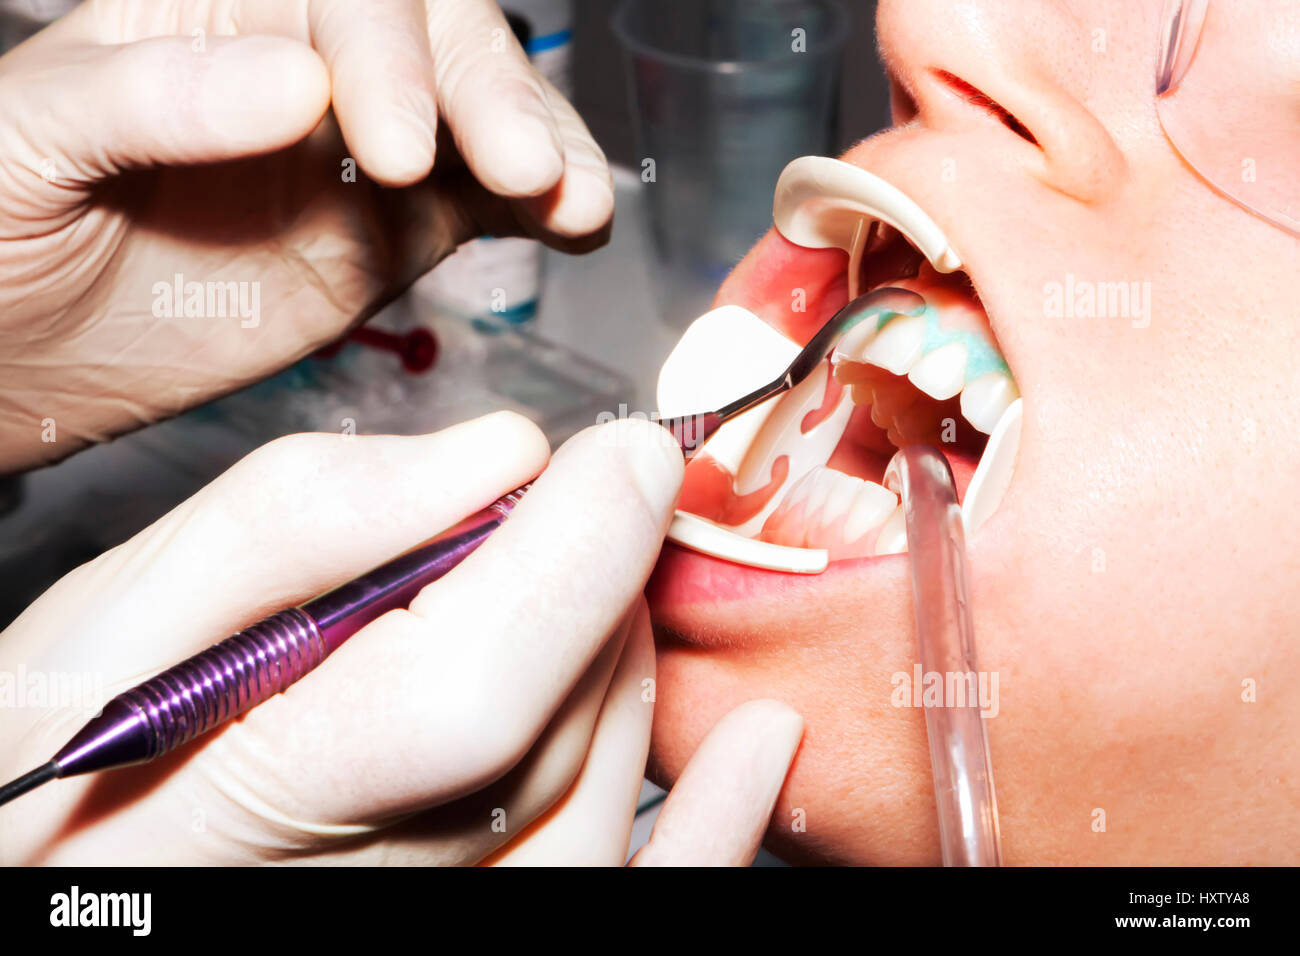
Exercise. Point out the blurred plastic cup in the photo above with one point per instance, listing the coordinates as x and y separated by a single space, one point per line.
724 94
19 19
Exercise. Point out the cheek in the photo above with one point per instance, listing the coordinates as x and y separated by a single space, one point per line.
859 790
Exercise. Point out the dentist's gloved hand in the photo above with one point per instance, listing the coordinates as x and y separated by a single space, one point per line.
504 716
140 142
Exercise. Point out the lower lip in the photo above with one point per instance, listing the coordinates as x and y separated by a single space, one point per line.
684 580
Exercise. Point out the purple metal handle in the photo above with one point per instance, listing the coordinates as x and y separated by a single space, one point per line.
228 678
265 659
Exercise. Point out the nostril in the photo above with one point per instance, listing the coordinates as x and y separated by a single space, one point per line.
979 99
901 105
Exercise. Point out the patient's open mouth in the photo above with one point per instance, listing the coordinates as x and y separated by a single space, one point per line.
806 473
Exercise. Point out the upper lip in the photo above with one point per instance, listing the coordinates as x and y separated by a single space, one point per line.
950 241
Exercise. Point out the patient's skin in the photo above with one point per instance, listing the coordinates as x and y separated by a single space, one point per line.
1140 577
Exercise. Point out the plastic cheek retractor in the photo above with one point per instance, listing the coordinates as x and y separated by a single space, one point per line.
824 203
945 638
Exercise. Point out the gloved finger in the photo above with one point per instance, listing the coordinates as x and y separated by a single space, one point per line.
591 824
544 591
382 72
573 216
582 202
460 209
461 832
495 103
477 667
291 520
162 102
720 807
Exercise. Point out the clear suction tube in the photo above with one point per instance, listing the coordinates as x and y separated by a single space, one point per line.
945 637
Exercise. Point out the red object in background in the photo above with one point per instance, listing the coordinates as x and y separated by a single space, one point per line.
418 349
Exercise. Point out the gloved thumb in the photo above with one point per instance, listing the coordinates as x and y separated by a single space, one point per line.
167 101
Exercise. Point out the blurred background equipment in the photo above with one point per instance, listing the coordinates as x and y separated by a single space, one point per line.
19 19
724 94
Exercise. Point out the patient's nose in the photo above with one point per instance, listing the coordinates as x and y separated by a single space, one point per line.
1025 64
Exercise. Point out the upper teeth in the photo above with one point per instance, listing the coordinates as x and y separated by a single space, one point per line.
896 347
941 373
984 400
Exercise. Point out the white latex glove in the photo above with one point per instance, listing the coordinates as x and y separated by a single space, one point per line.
506 712
144 140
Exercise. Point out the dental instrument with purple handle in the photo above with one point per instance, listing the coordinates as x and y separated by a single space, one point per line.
229 678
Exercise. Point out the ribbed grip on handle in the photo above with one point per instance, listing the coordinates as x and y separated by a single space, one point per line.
226 679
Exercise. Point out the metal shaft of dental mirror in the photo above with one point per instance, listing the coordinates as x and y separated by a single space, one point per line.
692 431
28 782
887 301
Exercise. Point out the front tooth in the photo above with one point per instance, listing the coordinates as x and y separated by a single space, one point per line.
801 490
993 474
893 533
871 507
843 490
852 345
984 400
940 373
820 485
898 345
